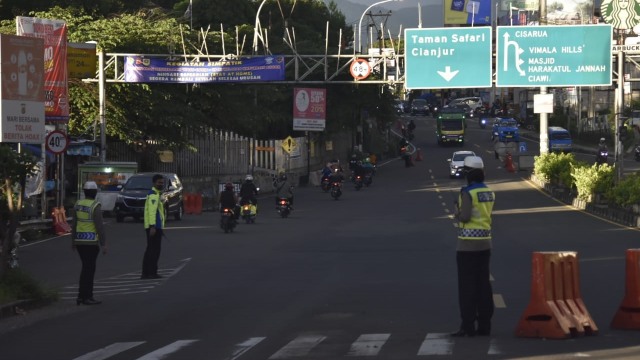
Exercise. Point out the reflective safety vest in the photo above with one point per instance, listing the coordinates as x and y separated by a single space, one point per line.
479 226
86 233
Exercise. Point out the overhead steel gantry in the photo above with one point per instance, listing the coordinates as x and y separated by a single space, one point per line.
305 67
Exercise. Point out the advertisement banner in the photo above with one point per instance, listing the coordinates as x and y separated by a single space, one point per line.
82 60
467 12
309 109
138 69
54 35
21 93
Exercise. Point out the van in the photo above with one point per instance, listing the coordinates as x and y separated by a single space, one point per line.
559 139
474 102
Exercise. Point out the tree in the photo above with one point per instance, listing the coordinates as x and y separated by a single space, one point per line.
13 174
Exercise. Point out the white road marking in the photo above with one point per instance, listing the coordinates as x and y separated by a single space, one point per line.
298 347
245 346
436 344
368 345
166 350
498 301
109 351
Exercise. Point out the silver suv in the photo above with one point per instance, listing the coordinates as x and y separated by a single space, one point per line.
132 196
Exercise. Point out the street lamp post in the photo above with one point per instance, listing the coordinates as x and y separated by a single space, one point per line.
362 17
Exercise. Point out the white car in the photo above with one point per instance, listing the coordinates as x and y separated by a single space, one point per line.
456 163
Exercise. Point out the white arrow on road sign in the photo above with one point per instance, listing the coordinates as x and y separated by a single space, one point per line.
447 74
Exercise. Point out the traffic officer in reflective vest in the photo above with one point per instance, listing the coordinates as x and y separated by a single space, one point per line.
88 236
153 226
473 212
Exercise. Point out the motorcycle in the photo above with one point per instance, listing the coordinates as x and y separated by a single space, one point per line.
637 153
325 184
602 156
248 212
227 220
483 123
284 207
336 190
368 179
358 182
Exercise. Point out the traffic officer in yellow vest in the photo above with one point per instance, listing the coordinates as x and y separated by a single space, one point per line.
473 212
153 226
88 236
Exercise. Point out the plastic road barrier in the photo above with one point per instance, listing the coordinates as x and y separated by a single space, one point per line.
628 315
556 309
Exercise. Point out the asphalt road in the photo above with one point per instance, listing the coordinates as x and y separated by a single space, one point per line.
371 275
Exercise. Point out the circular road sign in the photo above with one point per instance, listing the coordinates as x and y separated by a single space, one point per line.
57 142
360 69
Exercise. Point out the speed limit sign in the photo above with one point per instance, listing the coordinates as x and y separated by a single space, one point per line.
57 142
360 69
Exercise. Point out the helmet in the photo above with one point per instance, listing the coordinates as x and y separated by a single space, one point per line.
328 164
473 162
249 177
602 140
228 186
90 185
366 160
283 177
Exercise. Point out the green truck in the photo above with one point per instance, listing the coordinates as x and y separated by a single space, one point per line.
450 127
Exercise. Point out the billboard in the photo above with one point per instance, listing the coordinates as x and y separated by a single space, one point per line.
138 69
82 61
21 93
309 109
54 35
467 12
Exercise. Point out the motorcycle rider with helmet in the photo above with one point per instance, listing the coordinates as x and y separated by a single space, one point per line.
229 200
603 152
284 189
248 191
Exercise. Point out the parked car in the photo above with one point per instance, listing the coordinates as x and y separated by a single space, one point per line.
505 130
456 163
132 196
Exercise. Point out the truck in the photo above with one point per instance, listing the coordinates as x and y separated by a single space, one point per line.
451 123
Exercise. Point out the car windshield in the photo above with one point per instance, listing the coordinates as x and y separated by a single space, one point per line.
419 102
509 123
460 157
560 136
139 183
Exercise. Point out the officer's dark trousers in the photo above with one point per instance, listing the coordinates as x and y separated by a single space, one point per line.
88 256
475 296
152 254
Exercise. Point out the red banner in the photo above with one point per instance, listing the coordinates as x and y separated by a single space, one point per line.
54 34
309 109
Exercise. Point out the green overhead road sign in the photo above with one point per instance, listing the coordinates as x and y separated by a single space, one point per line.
440 58
564 55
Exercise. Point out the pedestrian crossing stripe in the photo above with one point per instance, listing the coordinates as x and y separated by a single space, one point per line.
366 345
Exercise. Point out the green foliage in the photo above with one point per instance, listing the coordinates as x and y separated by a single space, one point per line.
555 168
590 179
626 192
15 284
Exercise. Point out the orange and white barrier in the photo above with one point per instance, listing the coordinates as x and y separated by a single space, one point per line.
556 309
418 155
628 315
59 219
508 163
192 203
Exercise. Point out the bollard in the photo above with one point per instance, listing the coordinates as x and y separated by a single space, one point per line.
556 309
508 163
628 315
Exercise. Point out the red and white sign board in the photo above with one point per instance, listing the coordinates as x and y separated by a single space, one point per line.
360 69
21 93
57 142
309 109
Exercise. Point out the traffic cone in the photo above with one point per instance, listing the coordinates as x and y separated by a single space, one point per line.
508 163
418 155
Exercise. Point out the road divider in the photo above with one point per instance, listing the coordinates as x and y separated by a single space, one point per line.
556 309
628 315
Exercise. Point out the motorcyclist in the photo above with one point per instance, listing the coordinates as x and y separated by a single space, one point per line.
603 152
336 176
284 189
248 191
602 145
353 162
327 170
368 168
229 200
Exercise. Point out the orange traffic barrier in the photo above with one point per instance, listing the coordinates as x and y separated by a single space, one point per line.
628 315
59 219
556 309
508 163
196 203
187 203
418 155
